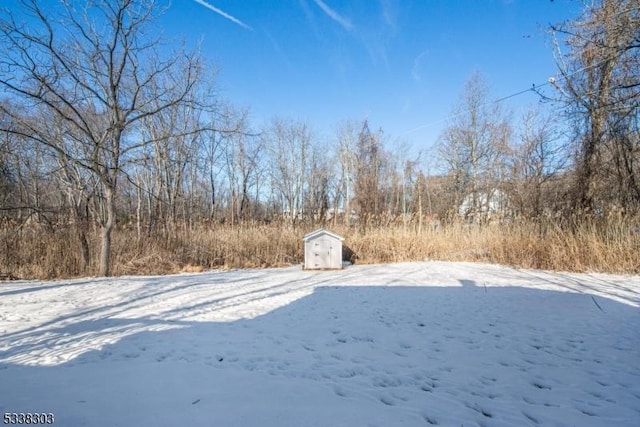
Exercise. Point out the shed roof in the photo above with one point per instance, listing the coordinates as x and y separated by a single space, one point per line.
320 232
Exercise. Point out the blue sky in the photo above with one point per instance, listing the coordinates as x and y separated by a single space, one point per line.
400 64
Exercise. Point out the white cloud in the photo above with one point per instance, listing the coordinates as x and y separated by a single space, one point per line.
223 14
344 22
388 13
417 65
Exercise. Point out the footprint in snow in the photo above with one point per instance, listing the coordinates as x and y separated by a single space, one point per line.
531 418
488 380
588 412
385 382
340 391
387 401
428 387
541 386
600 396
486 413
430 419
400 396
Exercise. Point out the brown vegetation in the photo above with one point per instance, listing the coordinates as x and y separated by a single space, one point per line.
145 170
605 246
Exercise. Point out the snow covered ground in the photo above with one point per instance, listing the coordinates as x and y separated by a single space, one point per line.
413 344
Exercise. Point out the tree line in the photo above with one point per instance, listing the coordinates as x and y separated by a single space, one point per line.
102 125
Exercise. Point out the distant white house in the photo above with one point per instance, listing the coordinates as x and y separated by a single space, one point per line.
322 250
486 205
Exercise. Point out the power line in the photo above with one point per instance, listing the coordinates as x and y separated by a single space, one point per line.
533 88
451 116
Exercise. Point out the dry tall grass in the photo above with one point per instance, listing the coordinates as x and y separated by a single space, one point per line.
611 246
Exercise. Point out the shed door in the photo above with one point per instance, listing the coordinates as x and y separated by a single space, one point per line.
322 251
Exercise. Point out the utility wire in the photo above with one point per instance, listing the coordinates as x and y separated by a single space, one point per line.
533 88
451 116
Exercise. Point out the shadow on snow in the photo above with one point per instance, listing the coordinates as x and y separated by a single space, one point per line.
423 355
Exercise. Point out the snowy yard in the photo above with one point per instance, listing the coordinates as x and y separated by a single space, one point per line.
413 344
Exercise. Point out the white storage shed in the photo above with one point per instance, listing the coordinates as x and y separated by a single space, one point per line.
322 250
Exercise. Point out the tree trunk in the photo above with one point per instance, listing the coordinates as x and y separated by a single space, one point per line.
587 173
107 227
84 248
80 224
139 212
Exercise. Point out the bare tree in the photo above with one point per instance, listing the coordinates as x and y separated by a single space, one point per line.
318 184
175 136
370 162
93 67
538 157
289 145
79 188
30 166
623 155
8 171
242 155
345 160
401 178
599 85
473 147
